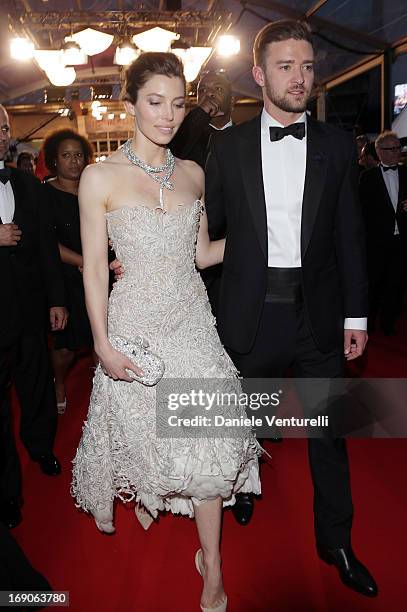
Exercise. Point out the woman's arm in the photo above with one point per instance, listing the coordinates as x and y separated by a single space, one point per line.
208 253
70 257
92 206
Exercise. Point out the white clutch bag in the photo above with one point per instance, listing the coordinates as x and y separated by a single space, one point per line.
136 350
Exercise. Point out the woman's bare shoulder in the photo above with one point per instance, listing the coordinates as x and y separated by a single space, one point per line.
191 168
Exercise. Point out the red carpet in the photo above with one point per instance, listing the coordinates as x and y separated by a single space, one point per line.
269 565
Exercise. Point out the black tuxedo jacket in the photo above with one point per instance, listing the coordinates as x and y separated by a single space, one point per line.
334 280
31 273
191 140
378 209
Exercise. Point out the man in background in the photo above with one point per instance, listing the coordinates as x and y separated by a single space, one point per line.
25 162
212 113
30 276
383 192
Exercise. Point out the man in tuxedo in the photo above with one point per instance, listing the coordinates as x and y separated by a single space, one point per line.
294 287
211 114
31 274
383 191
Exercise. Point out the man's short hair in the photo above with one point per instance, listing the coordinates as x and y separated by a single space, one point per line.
24 155
386 135
277 31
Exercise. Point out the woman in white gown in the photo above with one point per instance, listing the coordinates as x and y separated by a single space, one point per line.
151 207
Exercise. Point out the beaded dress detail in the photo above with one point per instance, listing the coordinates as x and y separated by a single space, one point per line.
163 299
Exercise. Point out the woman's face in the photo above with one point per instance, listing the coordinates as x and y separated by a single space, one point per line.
70 160
160 108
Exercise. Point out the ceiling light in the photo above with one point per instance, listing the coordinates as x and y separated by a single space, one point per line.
73 54
21 49
193 59
228 45
91 41
126 53
62 76
110 116
122 115
155 39
49 60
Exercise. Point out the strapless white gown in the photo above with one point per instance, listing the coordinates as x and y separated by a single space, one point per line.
162 298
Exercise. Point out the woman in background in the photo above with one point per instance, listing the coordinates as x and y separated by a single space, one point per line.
67 153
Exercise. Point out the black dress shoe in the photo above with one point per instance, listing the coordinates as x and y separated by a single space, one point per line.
243 508
49 464
351 571
10 513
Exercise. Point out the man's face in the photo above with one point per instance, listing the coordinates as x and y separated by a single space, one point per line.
287 76
389 151
4 133
218 87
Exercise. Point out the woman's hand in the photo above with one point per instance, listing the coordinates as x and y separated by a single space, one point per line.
115 364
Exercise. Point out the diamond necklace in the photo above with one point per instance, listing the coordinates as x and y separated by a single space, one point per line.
167 168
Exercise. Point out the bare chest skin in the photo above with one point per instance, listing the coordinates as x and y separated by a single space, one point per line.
127 185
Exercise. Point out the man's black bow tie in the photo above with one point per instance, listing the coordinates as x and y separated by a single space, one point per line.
385 168
5 175
295 129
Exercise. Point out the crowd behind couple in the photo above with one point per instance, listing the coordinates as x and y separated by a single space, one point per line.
294 242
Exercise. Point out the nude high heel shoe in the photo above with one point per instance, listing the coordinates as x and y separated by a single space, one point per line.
199 566
104 519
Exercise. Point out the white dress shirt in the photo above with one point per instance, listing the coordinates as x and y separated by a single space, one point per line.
284 165
391 180
228 124
7 203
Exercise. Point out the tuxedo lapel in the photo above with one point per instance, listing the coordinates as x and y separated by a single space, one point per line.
402 184
383 187
249 143
18 187
315 177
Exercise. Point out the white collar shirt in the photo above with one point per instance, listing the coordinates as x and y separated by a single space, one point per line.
283 165
391 180
7 203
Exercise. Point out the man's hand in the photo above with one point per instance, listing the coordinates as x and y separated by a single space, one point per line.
9 234
58 316
404 205
117 268
211 103
355 342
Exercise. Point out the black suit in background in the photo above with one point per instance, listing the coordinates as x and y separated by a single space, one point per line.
192 142
31 282
387 253
264 338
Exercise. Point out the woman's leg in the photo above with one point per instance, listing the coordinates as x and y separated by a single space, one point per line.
61 362
208 516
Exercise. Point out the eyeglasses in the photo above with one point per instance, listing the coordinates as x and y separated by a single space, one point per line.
398 148
5 129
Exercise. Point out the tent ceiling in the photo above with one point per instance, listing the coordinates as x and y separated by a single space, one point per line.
346 32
